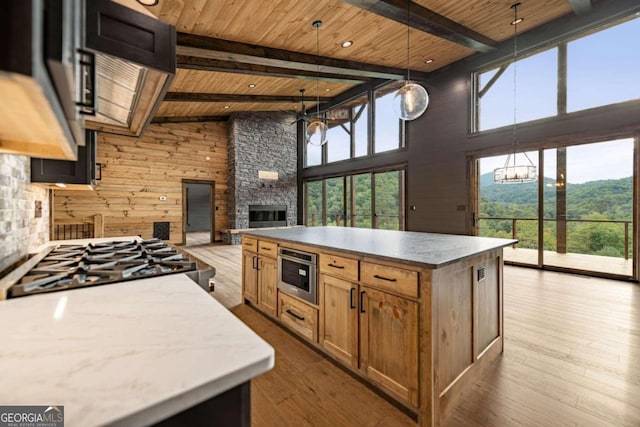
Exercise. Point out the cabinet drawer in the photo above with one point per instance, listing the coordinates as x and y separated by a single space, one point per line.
338 266
394 279
268 248
249 244
299 316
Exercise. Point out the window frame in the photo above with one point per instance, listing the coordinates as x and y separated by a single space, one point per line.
561 91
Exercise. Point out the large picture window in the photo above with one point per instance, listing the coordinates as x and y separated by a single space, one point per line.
365 200
574 75
363 126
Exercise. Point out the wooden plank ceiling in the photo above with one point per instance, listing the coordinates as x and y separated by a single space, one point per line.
224 46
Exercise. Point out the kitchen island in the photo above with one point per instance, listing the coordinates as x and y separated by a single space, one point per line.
132 353
418 315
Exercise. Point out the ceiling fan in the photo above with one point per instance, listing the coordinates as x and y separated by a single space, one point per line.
303 110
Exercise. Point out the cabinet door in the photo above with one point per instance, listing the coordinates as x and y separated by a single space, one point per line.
339 335
249 277
267 284
389 342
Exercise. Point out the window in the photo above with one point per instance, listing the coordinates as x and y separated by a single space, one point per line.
349 137
314 155
349 201
537 78
388 127
586 211
600 69
360 114
592 61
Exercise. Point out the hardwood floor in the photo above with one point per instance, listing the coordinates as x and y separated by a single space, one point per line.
572 358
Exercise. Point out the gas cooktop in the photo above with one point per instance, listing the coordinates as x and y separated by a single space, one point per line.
76 266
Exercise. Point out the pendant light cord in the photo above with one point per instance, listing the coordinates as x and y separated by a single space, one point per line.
317 24
515 73
408 41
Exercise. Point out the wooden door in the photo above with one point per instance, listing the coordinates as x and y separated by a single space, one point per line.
389 342
267 284
339 334
249 277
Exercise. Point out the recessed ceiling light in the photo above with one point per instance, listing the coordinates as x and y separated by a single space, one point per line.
327 90
148 2
251 85
429 61
517 21
226 107
347 43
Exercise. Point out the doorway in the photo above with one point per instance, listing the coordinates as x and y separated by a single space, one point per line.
580 215
198 212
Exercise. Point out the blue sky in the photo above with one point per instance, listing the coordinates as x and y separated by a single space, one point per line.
602 69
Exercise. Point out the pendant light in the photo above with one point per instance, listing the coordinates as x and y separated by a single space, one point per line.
317 129
411 100
511 172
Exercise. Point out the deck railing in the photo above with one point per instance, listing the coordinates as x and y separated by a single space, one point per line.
514 228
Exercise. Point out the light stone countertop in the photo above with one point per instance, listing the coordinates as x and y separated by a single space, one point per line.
429 250
124 354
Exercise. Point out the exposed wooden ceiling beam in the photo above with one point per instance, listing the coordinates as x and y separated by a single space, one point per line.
187 119
426 20
221 97
351 94
208 64
580 6
243 53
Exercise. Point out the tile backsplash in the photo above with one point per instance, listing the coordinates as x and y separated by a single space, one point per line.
20 203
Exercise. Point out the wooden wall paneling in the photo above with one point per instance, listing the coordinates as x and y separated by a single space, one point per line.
138 171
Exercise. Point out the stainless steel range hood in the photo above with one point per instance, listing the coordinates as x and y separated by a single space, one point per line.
135 62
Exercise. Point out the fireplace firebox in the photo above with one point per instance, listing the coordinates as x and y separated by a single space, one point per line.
261 216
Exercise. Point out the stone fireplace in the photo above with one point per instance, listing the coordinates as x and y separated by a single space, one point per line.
261 141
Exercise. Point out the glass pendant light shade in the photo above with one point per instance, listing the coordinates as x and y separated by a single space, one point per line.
411 101
317 133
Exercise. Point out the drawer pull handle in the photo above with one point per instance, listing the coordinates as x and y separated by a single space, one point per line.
294 315
336 266
266 249
385 278
352 303
362 301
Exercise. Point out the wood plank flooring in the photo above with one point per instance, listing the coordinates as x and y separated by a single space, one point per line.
572 358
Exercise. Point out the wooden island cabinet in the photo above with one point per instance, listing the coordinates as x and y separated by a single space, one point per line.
418 315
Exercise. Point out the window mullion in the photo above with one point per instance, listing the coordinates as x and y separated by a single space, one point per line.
562 78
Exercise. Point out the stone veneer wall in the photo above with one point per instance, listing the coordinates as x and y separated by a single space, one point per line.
20 230
261 141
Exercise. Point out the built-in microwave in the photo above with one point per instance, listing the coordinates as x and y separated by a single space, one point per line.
297 274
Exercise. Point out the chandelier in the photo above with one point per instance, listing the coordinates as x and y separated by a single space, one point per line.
512 172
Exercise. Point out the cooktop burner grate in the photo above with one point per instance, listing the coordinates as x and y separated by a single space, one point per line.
77 266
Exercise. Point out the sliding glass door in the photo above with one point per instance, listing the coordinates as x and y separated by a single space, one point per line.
589 217
509 211
579 216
